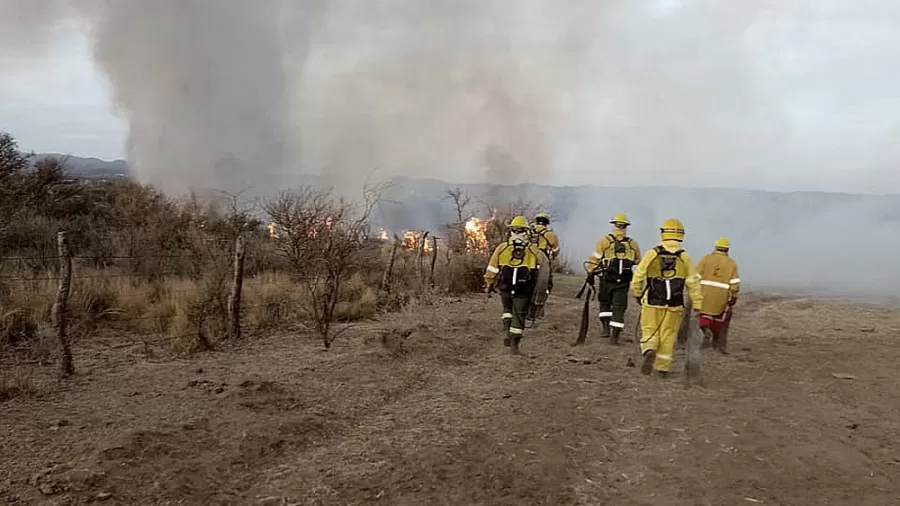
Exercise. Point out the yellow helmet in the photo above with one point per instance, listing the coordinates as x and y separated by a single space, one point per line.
620 219
518 222
722 243
542 219
672 230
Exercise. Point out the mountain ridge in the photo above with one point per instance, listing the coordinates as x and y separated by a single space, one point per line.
88 166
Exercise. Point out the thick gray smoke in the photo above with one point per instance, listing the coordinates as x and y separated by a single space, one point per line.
465 89
659 92
201 83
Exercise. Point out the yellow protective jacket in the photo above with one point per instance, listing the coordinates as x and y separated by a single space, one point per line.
547 241
719 281
617 264
667 271
514 276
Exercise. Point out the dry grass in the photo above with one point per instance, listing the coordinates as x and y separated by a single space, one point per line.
274 299
17 382
190 314
179 309
16 325
271 300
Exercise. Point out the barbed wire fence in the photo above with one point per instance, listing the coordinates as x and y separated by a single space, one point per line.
51 279
194 294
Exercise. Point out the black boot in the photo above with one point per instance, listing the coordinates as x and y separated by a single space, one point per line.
723 341
604 327
514 346
662 374
649 358
614 338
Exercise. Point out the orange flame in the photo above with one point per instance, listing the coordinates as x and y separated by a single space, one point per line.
476 235
413 240
273 230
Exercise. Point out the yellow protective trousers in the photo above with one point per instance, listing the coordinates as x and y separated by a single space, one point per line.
659 329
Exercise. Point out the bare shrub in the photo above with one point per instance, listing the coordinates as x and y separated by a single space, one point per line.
326 242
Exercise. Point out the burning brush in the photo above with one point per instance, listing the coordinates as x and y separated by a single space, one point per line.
476 235
413 240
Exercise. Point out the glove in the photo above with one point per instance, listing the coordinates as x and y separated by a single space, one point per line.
732 300
637 298
488 289
590 280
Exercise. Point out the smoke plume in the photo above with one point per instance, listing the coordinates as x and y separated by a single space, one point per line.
660 92
201 84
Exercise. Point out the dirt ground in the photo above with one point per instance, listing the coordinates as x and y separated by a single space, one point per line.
425 407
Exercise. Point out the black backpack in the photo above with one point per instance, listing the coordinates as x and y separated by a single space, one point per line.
619 270
666 290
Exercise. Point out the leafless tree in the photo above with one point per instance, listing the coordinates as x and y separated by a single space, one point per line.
325 241
456 235
461 201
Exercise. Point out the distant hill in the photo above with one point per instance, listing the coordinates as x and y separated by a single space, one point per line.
90 168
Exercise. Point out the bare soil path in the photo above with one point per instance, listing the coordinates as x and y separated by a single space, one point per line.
425 408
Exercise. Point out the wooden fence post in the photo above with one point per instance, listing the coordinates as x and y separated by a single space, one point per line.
433 259
420 250
66 368
386 279
237 285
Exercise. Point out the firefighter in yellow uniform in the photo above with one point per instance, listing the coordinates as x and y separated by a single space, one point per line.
514 267
659 284
546 239
548 242
720 284
613 261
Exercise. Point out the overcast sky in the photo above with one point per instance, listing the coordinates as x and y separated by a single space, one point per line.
783 95
57 102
